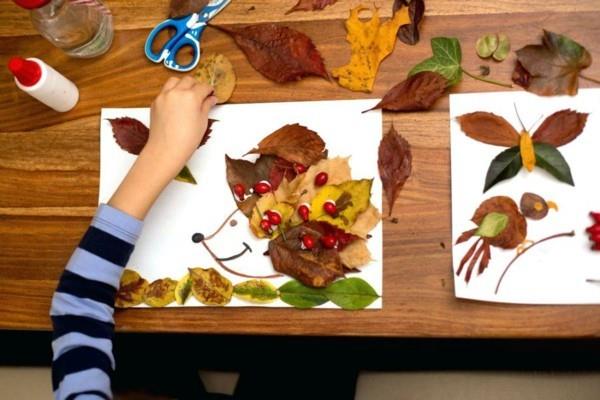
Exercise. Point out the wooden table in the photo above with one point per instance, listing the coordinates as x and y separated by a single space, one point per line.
49 166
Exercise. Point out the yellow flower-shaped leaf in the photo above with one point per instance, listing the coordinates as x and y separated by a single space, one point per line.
527 151
351 197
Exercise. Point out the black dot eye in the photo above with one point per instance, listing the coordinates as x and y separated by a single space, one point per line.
197 237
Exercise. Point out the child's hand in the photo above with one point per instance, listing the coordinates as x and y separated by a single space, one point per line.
177 125
178 121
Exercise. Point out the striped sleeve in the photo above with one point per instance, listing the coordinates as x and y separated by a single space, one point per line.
82 307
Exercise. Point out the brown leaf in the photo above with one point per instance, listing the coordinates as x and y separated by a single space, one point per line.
515 232
465 236
281 54
418 92
131 289
366 221
160 293
485 258
560 128
131 134
245 173
209 287
356 255
409 34
395 165
553 67
533 206
315 268
489 128
294 143
310 5
217 71
181 8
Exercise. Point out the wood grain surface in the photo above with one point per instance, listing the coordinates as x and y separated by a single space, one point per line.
49 168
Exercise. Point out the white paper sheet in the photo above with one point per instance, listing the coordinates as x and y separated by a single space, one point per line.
165 248
554 272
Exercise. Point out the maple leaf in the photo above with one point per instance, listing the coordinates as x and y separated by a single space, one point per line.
370 43
181 8
417 92
409 34
279 53
294 143
310 5
217 71
552 68
395 165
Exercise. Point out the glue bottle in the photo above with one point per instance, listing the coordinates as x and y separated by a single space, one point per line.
41 81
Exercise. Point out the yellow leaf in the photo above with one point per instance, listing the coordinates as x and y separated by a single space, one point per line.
527 151
209 287
370 42
160 293
131 289
257 291
365 222
360 197
268 202
356 254
217 71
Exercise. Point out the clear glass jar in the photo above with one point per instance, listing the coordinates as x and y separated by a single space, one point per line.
82 28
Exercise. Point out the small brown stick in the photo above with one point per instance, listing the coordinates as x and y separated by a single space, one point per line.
222 225
558 235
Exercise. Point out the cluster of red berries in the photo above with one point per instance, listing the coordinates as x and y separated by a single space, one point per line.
270 221
594 231
327 241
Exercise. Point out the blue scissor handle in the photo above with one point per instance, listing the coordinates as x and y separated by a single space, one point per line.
191 40
180 26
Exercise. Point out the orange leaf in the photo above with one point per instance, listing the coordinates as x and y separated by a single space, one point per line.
489 128
527 151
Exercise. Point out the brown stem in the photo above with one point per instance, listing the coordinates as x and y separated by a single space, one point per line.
587 78
493 82
231 271
558 235
222 225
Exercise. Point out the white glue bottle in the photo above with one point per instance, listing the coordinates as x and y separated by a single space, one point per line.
41 81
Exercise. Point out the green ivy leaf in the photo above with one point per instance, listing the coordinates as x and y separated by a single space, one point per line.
446 60
505 166
492 225
296 294
351 293
256 291
186 176
550 159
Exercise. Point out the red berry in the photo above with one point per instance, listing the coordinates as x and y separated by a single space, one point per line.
594 229
300 168
329 207
596 216
596 247
595 238
274 217
239 191
304 211
321 179
308 242
265 225
262 187
328 241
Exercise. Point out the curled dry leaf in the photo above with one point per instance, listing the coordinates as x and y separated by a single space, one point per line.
160 293
131 290
315 268
371 42
417 92
310 5
279 53
181 8
395 165
409 34
209 287
294 143
515 231
217 71
553 67
560 128
356 255
533 206
365 222
489 128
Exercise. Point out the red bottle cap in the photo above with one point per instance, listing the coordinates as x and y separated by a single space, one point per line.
31 4
27 72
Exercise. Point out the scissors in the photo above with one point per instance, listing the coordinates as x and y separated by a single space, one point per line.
188 31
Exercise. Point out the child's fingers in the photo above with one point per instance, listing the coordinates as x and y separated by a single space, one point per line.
186 83
203 91
170 84
208 104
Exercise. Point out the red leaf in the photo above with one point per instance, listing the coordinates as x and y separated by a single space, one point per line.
281 54
281 169
208 132
560 128
395 165
310 5
131 135
344 238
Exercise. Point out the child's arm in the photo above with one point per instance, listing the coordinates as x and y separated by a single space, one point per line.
82 306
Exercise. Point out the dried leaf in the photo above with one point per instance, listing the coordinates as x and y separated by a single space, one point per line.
351 294
489 128
181 8
553 67
356 255
550 159
315 268
506 165
294 143
418 92
310 5
409 34
297 295
516 229
185 176
395 165
279 53
466 236
533 206
209 287
527 152
446 60
183 290
217 71
371 42
360 195
365 222
344 238
131 134
265 203
131 290
256 291
560 128
492 225
160 293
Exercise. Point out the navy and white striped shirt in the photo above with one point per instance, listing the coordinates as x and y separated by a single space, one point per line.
83 304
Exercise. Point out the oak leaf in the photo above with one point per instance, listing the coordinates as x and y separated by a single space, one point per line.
409 34
131 289
160 293
356 255
217 71
553 67
279 53
370 43
310 5
209 287
395 165
489 128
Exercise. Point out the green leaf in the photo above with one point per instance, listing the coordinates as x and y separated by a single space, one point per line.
296 294
505 166
486 45
186 176
550 159
492 225
256 291
503 48
446 60
351 294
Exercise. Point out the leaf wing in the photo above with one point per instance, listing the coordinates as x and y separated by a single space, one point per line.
489 128
550 159
560 128
505 166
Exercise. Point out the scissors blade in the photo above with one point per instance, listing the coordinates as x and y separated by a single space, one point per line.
213 8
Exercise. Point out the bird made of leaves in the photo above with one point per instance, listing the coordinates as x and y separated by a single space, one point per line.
525 150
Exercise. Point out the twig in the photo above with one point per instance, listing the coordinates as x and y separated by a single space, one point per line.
231 271
558 235
587 78
222 225
480 78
